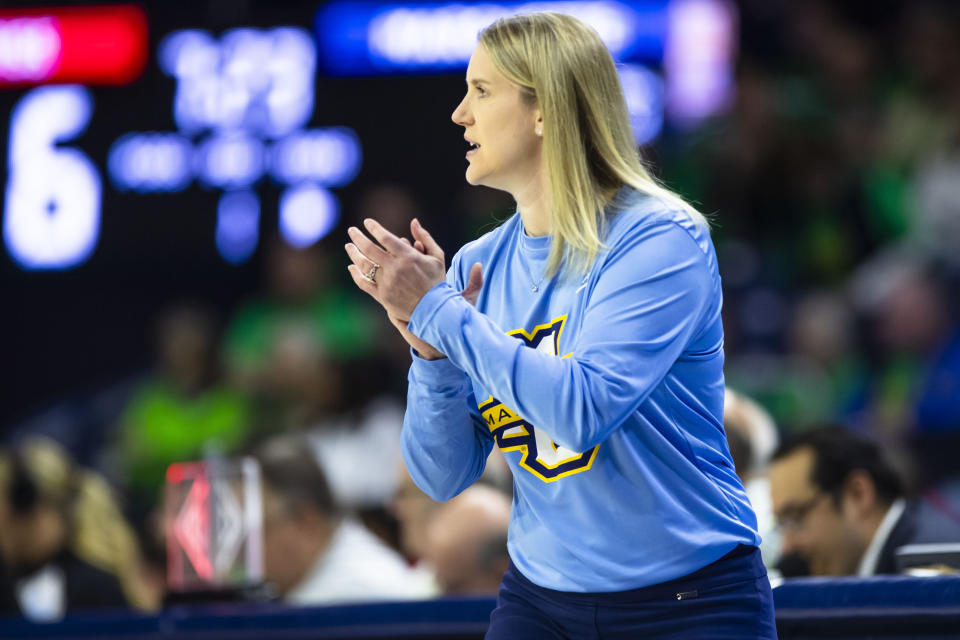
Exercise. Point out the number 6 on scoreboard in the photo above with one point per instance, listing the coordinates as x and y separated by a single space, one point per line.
52 217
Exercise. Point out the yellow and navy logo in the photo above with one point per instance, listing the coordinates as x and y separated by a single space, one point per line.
540 455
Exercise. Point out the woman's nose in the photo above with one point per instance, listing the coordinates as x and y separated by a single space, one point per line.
460 115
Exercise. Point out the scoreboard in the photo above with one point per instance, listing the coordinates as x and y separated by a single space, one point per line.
147 152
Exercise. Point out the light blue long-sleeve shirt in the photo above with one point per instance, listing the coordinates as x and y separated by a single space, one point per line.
604 392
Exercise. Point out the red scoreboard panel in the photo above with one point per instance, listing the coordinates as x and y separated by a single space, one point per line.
96 45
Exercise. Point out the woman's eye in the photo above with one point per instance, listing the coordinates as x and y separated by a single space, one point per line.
481 91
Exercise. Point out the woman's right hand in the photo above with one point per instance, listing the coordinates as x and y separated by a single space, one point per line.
425 244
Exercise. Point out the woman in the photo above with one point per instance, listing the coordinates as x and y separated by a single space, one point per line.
583 336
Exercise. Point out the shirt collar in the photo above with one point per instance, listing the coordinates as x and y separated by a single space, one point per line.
868 563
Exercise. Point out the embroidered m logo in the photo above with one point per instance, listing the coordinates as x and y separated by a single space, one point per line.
539 454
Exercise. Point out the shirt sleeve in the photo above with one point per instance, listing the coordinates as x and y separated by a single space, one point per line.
445 444
644 309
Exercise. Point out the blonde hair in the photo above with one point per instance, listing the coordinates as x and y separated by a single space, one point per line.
98 531
561 65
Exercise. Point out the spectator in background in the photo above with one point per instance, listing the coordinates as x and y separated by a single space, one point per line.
821 337
302 295
304 393
300 386
313 553
936 205
182 411
311 358
841 507
63 539
752 436
752 427
467 542
413 510
913 337
906 176
425 544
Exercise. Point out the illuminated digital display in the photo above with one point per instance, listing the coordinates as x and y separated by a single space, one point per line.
238 225
240 105
52 215
643 91
366 38
243 99
150 153
261 81
151 162
104 45
698 61
691 40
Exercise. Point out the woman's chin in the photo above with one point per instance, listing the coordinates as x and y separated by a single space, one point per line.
477 179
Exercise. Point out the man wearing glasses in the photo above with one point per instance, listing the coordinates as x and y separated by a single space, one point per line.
840 506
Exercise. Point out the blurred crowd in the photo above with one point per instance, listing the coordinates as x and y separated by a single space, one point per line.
307 378
833 184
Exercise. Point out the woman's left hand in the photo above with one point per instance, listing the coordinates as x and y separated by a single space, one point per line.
403 273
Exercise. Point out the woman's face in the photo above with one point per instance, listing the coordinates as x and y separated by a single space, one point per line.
500 127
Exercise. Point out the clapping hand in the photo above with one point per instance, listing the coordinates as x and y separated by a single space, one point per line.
397 274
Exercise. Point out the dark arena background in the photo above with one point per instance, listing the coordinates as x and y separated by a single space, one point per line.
176 181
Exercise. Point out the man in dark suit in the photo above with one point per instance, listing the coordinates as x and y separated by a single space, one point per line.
840 506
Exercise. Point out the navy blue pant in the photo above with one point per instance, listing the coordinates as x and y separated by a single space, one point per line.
730 598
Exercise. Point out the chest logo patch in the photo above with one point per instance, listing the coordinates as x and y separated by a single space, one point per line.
539 454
